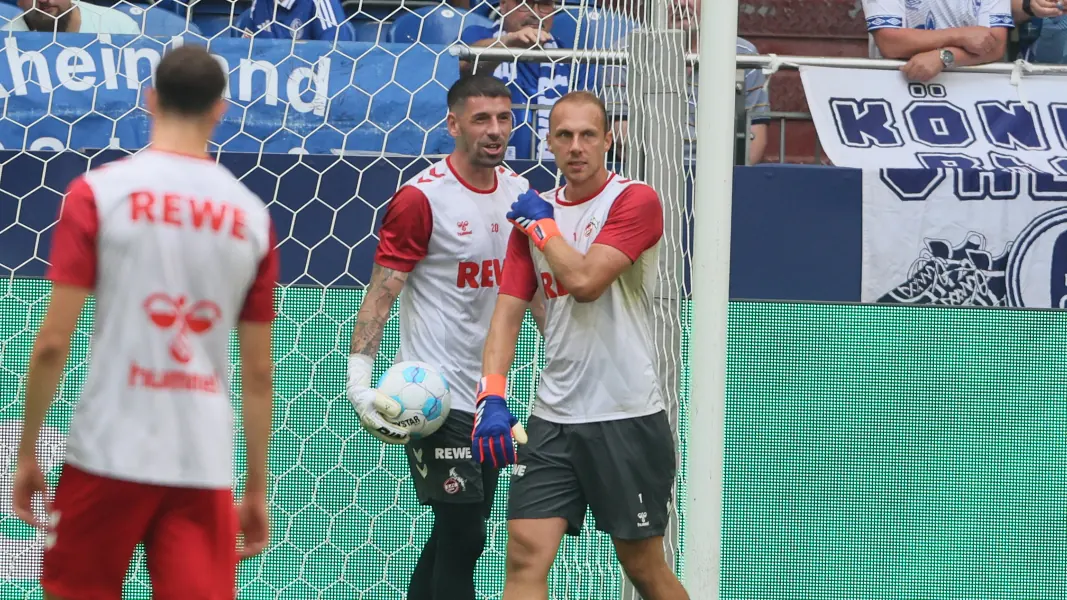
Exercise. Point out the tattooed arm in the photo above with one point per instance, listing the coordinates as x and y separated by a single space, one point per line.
385 285
375 410
404 239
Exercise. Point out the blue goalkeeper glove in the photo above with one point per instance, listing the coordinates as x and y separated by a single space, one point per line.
535 217
491 439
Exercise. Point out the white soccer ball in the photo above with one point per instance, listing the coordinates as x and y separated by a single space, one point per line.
423 392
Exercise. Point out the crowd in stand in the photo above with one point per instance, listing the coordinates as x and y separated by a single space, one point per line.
936 34
930 35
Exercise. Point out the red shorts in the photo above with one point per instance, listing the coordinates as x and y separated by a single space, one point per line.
190 538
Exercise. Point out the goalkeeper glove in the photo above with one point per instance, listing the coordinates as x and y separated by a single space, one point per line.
535 217
494 424
373 407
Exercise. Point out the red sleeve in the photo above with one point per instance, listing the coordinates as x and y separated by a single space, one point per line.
405 233
519 277
73 258
634 223
259 302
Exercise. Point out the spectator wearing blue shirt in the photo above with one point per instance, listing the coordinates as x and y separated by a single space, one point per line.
535 87
1049 19
933 35
295 19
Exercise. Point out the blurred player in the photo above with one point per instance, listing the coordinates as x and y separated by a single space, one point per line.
598 434
176 252
443 240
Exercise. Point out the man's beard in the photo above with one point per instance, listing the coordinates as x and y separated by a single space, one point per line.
479 159
41 21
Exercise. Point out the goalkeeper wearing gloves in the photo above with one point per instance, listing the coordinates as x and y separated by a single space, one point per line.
599 437
442 241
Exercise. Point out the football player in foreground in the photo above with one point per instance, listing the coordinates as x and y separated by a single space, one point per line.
599 437
442 242
177 252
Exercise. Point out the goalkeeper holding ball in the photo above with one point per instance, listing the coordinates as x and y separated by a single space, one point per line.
599 437
442 241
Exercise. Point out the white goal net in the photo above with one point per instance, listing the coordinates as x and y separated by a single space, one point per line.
325 132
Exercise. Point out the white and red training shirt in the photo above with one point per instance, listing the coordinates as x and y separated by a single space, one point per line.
176 251
599 356
451 238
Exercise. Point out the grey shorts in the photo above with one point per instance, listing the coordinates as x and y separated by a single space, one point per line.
443 469
623 471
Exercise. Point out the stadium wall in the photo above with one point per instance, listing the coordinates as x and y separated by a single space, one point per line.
796 229
873 451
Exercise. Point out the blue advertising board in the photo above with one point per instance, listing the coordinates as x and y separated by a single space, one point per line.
307 97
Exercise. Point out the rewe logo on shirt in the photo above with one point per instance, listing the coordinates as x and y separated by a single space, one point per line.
553 287
478 275
182 211
463 453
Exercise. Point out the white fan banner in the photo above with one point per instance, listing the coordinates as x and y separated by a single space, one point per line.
877 119
964 238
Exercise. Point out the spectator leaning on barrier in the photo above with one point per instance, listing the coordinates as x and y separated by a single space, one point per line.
1051 18
535 87
71 16
685 15
757 104
295 19
934 34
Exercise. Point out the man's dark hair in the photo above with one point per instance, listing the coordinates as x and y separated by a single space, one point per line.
476 86
189 81
582 96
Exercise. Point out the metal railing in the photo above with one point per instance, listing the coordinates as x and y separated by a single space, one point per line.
782 118
769 62
773 62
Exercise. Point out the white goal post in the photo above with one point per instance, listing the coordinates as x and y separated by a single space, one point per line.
712 202
656 60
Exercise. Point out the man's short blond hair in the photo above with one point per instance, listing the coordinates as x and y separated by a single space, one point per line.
581 96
